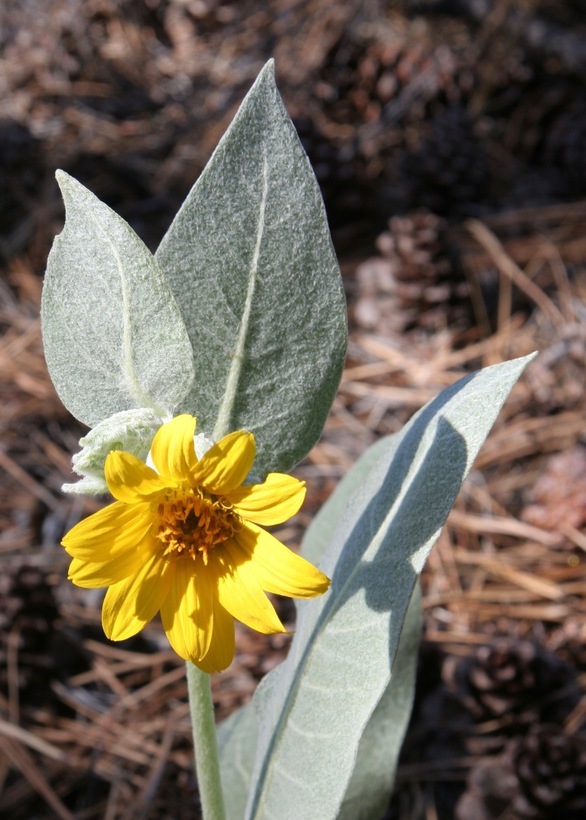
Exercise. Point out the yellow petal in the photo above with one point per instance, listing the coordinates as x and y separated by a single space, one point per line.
221 652
240 593
187 612
130 604
270 503
172 450
225 465
277 568
92 575
129 479
109 533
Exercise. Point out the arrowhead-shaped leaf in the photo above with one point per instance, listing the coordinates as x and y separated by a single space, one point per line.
114 338
250 261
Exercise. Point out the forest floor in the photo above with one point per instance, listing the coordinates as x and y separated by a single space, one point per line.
448 138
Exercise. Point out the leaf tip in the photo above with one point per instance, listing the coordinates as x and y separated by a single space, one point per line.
267 72
62 177
523 361
68 185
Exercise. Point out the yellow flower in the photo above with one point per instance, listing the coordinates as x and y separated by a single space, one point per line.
184 539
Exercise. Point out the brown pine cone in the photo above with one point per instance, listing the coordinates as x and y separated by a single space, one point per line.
449 173
537 776
513 681
391 76
360 77
412 279
379 77
550 767
415 245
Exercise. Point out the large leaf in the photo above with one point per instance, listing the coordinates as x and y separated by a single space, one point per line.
250 261
314 707
236 746
237 735
379 744
371 784
114 338
372 780
319 534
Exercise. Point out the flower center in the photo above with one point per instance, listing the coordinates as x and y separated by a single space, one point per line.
192 525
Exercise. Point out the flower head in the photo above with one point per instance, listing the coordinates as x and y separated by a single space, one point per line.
185 539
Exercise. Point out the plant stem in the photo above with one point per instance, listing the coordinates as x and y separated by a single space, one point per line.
205 744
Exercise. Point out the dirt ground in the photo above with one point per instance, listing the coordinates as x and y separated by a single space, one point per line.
449 138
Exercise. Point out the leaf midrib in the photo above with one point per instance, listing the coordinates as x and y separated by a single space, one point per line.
132 380
223 421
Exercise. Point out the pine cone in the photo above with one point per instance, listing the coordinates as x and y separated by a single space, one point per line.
449 174
513 680
360 77
550 767
537 775
380 71
376 306
413 278
415 245
392 77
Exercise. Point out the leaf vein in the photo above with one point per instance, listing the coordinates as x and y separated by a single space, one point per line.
225 413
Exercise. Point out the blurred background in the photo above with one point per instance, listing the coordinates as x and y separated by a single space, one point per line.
449 141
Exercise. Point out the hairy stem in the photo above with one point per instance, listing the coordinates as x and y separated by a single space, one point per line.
205 744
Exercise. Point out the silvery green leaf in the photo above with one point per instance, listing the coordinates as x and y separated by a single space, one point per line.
237 734
114 338
370 786
130 430
319 533
373 777
236 745
314 707
372 780
379 745
250 261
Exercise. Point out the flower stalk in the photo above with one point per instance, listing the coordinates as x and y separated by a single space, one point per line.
205 743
